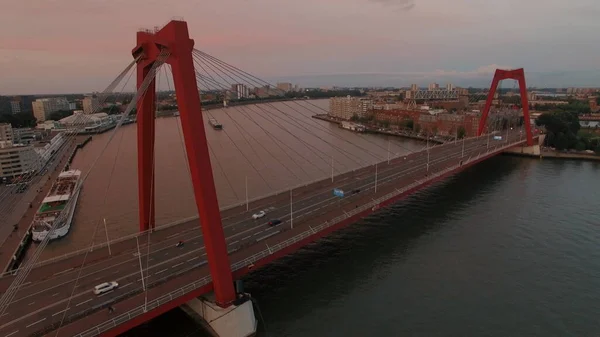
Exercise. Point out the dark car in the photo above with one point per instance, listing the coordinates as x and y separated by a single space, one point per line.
356 191
274 222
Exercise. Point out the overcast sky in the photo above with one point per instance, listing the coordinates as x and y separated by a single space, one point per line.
58 46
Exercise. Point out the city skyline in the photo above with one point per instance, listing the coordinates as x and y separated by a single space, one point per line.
78 46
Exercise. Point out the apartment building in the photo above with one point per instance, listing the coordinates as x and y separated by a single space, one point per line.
90 104
6 133
348 107
43 107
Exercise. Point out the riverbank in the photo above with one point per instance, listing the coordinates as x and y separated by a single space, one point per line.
556 155
169 113
371 129
15 246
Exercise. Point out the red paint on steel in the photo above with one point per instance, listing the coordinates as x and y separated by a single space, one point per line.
516 74
175 38
145 146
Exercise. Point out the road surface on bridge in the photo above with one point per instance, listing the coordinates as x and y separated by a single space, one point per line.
43 299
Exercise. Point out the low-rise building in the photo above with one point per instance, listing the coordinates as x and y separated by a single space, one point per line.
80 120
16 160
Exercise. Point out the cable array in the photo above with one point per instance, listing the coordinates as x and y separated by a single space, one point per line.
24 271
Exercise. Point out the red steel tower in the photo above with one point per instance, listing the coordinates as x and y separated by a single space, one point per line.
516 74
174 37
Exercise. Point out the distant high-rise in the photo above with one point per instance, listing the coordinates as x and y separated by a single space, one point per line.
239 91
433 86
19 104
287 87
414 87
16 106
449 86
90 104
43 107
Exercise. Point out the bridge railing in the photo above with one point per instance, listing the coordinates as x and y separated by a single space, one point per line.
153 304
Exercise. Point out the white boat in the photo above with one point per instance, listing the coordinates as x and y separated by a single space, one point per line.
58 207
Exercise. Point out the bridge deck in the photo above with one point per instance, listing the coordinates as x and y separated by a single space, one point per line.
175 275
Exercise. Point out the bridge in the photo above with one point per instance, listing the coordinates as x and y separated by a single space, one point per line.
55 298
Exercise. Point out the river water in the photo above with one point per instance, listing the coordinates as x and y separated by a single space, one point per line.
506 248
271 146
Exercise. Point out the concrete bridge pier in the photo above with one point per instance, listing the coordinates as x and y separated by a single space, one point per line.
525 150
237 320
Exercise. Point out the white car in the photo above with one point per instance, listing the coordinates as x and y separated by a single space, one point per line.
258 215
105 287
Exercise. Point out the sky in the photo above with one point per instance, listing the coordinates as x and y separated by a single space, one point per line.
63 46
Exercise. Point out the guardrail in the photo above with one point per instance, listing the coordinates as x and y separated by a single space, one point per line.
126 316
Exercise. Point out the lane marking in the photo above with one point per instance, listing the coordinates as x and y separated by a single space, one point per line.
84 302
31 303
177 265
162 271
234 242
247 237
34 323
12 333
193 258
64 271
54 294
126 285
60 312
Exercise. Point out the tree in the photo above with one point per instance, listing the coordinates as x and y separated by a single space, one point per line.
580 146
60 114
408 123
20 120
561 141
461 132
417 128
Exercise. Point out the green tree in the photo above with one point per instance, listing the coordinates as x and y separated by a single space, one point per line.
580 146
408 123
561 142
461 132
417 128
60 114
20 120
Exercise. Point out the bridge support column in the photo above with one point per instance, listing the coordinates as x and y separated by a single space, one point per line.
237 320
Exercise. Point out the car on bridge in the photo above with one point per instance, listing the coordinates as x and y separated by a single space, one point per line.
105 287
274 222
258 215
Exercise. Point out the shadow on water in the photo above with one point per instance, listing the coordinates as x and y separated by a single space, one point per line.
332 267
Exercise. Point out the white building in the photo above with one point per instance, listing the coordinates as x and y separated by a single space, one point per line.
239 91
81 120
46 151
16 160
